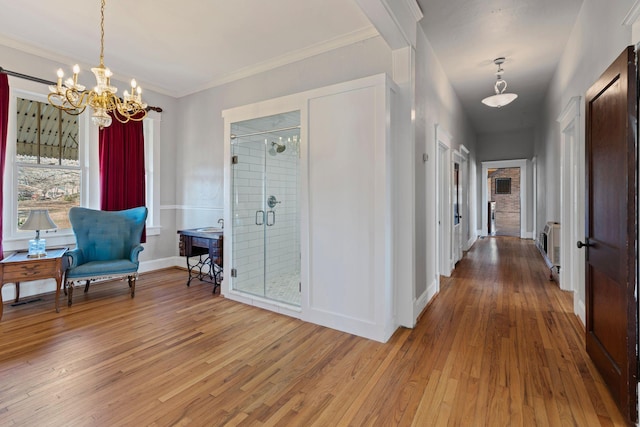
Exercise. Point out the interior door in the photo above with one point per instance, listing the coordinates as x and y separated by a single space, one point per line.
249 214
611 312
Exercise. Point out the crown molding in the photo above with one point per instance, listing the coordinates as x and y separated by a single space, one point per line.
414 7
289 58
633 15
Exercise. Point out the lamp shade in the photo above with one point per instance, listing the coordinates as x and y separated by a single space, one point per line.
499 100
38 220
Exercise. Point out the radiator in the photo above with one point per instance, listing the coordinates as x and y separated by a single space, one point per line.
551 242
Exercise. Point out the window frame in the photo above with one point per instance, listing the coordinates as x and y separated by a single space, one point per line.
505 181
13 238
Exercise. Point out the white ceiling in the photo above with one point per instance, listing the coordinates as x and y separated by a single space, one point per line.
181 47
467 35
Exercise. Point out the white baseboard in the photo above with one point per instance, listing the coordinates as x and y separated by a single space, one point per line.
37 287
159 264
470 242
419 304
431 291
579 308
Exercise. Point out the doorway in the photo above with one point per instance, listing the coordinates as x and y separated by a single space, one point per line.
522 165
444 228
504 202
460 205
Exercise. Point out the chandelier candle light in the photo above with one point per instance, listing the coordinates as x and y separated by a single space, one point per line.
500 99
74 99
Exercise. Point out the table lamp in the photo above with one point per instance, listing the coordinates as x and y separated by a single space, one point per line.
38 220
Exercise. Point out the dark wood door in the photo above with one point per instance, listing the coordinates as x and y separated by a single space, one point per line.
611 312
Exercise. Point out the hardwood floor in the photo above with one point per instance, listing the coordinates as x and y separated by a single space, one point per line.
499 346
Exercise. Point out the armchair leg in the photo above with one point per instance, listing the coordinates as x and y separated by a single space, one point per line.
132 285
86 287
69 293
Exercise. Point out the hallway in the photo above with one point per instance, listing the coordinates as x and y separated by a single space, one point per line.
509 349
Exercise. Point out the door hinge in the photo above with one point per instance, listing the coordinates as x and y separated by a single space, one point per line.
234 160
299 286
234 272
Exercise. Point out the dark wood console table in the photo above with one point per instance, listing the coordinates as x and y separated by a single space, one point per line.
206 244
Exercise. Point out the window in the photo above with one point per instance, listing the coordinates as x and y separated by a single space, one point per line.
47 161
54 165
503 185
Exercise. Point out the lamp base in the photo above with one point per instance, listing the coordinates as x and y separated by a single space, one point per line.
37 248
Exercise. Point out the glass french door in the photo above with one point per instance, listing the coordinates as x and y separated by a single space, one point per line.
266 225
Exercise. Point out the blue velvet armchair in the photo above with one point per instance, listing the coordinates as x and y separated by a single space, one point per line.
107 246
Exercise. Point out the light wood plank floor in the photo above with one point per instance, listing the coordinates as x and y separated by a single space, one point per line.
499 346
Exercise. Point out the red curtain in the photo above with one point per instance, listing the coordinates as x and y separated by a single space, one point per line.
122 180
4 119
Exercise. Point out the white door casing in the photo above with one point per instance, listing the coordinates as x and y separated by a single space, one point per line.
519 163
572 196
443 224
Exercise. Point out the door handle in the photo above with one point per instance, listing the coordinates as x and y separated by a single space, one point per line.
273 218
582 245
260 217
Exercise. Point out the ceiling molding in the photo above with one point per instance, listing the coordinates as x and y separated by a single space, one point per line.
633 15
289 58
64 61
414 7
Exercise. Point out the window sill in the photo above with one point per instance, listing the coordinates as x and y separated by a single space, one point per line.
12 244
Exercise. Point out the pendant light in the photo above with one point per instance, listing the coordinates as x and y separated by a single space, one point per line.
500 99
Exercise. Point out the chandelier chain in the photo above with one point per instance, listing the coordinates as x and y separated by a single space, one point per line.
102 33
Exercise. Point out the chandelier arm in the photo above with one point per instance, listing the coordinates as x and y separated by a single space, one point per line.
81 98
75 111
59 101
121 120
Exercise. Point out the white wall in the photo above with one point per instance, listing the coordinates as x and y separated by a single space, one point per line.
435 103
598 37
505 145
199 161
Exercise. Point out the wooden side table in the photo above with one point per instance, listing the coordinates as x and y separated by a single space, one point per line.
17 268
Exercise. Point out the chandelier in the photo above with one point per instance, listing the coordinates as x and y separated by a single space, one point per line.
74 99
500 99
